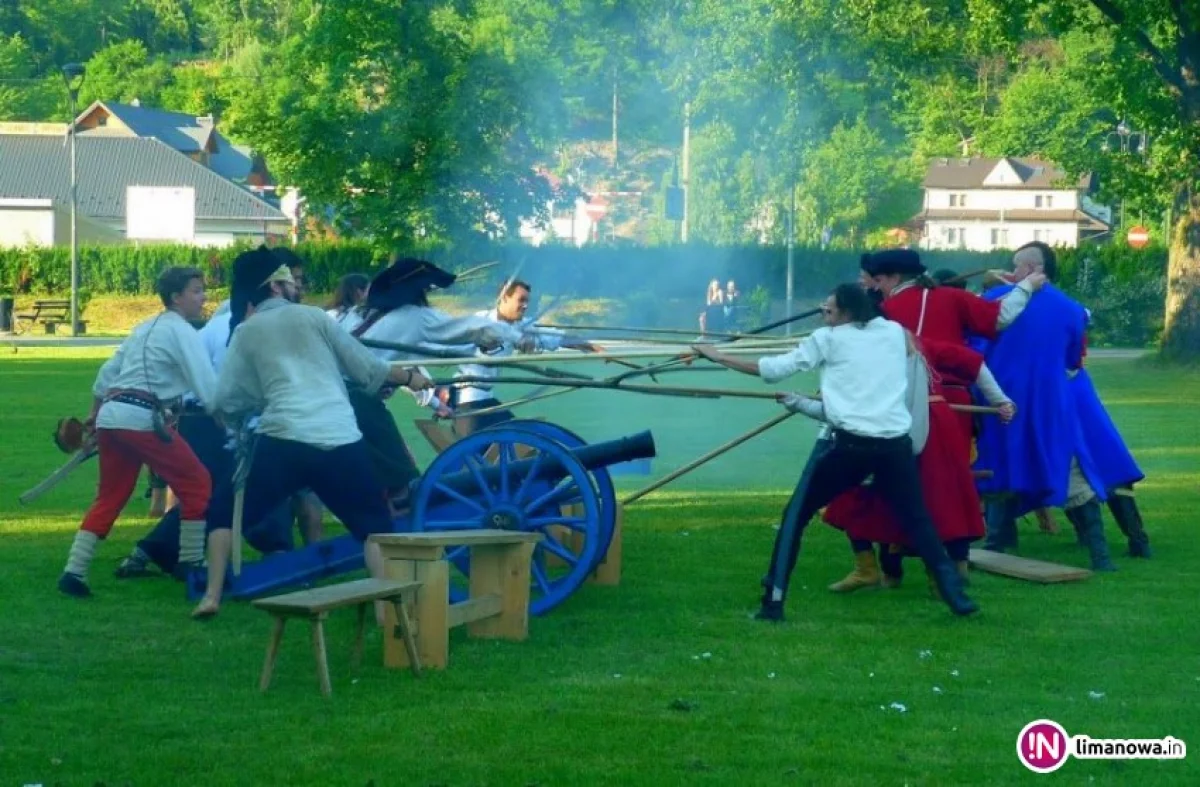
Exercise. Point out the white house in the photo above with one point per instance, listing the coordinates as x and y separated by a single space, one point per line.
984 204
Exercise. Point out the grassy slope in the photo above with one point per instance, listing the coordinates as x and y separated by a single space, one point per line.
125 689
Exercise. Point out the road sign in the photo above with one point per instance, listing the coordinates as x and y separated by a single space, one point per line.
1138 236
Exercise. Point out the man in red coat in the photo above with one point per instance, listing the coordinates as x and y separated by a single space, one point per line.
944 465
941 314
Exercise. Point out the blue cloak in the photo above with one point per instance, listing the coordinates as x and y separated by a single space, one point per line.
1115 466
1031 456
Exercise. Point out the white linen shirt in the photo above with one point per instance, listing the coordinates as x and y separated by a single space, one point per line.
546 340
287 362
433 329
863 376
164 357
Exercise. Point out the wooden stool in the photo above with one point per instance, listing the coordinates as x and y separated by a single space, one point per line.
498 606
316 604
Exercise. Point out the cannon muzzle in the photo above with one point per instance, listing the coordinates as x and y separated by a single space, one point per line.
548 468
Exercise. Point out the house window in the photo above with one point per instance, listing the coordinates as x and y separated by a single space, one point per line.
951 235
1049 200
1042 235
1000 238
1043 201
1037 203
958 200
962 237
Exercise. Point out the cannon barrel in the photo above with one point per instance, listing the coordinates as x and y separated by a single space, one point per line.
592 457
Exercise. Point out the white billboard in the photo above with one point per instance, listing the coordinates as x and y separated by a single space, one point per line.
160 213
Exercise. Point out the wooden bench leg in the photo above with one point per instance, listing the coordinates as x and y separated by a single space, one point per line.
318 639
404 629
272 653
502 570
356 659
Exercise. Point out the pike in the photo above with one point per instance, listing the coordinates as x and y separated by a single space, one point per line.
562 356
688 357
59 475
431 352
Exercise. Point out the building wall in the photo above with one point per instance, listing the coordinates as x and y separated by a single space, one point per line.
992 235
1001 199
27 226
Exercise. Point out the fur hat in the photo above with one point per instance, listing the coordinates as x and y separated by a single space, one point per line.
394 286
251 270
906 262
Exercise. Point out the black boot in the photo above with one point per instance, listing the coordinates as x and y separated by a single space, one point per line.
1001 525
1123 506
1091 525
1077 525
950 585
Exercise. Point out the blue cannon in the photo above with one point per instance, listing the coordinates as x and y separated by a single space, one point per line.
521 475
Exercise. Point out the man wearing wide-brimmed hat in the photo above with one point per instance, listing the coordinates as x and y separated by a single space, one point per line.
397 311
286 360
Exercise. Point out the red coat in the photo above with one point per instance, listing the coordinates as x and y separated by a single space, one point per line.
944 466
946 315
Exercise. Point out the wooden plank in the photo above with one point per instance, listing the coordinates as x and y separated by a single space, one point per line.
609 570
447 538
474 609
322 599
1026 568
506 571
440 439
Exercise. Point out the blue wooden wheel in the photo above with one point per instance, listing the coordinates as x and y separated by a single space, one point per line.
480 482
600 476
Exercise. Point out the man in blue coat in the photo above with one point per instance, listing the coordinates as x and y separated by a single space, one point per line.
1041 458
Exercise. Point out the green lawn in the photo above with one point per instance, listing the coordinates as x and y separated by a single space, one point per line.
663 680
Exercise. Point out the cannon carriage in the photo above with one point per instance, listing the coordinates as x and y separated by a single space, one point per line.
521 475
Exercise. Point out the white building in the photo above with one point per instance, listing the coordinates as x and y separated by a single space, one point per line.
984 204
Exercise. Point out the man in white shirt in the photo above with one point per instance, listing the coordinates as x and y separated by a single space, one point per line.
862 359
511 308
286 362
397 311
137 392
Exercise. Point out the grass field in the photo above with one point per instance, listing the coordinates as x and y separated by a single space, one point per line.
663 680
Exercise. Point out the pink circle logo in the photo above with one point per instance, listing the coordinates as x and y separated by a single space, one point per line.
1043 746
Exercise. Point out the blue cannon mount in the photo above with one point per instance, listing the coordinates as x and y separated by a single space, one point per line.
520 475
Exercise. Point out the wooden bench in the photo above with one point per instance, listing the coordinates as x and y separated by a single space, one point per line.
49 312
314 605
498 600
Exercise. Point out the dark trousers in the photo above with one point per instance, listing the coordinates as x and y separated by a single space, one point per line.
471 424
391 462
843 464
207 439
342 477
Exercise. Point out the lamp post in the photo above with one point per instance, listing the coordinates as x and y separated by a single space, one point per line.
1127 135
73 74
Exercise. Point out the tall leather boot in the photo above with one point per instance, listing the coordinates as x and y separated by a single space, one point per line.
891 563
1001 525
1091 525
1123 506
1073 516
865 574
950 587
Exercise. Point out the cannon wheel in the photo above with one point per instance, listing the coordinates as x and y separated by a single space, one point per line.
521 504
601 477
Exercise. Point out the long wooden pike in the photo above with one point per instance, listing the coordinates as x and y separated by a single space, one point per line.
648 331
565 356
688 357
59 475
711 455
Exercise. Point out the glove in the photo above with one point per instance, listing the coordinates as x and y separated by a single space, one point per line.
69 435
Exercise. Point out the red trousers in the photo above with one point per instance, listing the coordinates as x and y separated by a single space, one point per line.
122 454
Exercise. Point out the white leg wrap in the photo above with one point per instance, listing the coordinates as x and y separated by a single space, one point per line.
82 552
191 540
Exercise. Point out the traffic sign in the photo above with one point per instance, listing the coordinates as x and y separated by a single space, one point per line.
1138 236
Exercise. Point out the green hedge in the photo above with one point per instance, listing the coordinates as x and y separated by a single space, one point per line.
1123 287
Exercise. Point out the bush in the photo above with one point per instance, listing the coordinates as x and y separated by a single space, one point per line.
658 285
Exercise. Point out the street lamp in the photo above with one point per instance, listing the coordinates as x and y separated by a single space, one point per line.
1126 136
73 74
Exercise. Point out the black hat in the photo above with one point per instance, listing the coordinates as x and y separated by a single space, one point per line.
406 276
287 257
906 262
251 270
949 278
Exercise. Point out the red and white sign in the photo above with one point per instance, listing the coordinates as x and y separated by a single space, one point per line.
597 208
1138 236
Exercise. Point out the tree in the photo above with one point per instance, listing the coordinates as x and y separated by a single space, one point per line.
123 72
1143 66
